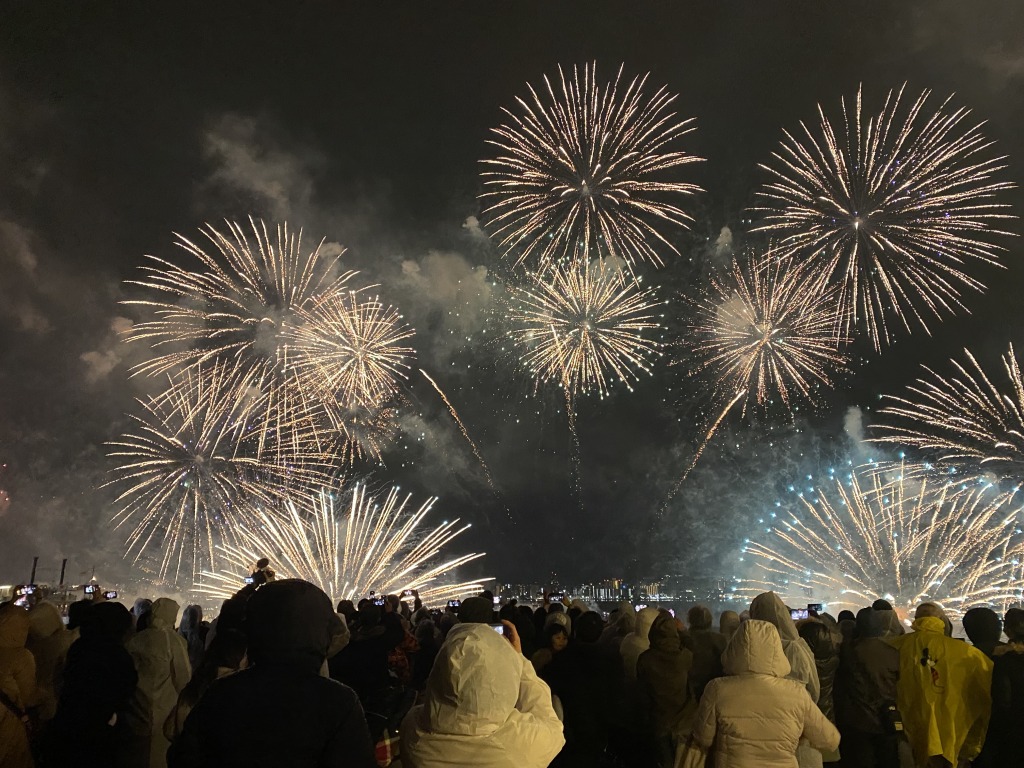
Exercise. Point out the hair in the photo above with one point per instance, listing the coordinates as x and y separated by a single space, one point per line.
552 629
1013 624
848 615
881 605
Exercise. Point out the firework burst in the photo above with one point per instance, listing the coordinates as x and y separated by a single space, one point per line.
893 207
582 165
905 541
375 546
963 420
768 329
350 349
184 473
581 325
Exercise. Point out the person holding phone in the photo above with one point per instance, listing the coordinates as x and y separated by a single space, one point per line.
484 706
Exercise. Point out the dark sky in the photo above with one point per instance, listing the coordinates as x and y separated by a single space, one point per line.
364 123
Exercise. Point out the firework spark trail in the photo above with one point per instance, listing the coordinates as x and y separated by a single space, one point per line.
184 472
349 349
963 419
893 209
590 164
700 450
375 546
902 541
582 325
570 410
768 328
462 428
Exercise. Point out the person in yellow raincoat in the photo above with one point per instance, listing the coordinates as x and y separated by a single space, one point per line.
944 692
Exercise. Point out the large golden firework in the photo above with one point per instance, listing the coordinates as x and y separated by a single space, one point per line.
906 541
583 165
893 207
768 329
582 326
962 422
376 546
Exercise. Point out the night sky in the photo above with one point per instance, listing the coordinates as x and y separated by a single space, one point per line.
364 124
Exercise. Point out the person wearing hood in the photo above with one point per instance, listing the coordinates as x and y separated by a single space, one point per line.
1007 693
944 691
757 715
17 685
194 630
279 710
620 623
99 680
484 707
161 660
983 628
869 671
225 655
728 623
556 639
769 607
637 641
48 642
707 646
663 674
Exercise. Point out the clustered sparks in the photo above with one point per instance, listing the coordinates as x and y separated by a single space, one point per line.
892 207
768 329
903 541
586 165
963 419
280 376
581 325
376 546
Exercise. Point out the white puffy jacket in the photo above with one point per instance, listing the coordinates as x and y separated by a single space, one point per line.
485 707
755 717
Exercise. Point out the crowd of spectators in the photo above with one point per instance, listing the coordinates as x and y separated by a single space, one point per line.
281 677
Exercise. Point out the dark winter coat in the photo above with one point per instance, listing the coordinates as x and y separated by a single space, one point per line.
279 711
707 646
1007 705
663 671
870 670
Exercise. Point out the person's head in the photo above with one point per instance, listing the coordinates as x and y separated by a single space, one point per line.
140 606
487 595
881 605
664 633
699 617
846 616
474 684
756 648
982 626
1013 625
556 608
556 637
164 613
107 622
44 620
425 631
14 626
77 611
347 609
819 638
476 610
191 618
369 614
589 627
769 607
227 650
290 623
934 610
728 623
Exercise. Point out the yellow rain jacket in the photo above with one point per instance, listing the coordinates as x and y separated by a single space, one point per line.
944 693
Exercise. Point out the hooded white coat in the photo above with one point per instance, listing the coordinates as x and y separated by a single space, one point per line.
756 717
485 707
161 659
637 641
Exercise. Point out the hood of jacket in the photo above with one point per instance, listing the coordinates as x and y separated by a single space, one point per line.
191 618
474 683
982 626
755 648
164 613
929 624
624 619
664 635
769 607
291 622
871 623
728 623
14 626
644 621
44 620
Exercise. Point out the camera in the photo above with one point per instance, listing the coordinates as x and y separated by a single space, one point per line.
111 595
454 603
556 597
798 614
816 607
249 580
379 602
408 593
92 589
25 589
499 628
